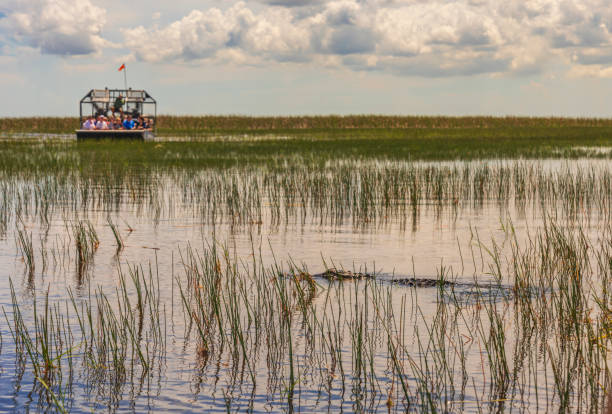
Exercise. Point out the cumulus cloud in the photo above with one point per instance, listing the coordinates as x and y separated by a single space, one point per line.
58 27
416 37
203 34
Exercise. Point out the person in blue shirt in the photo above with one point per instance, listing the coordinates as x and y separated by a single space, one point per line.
128 123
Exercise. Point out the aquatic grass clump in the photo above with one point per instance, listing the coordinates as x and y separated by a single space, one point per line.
116 235
48 346
26 247
86 241
104 339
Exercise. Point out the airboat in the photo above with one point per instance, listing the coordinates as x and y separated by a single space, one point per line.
102 102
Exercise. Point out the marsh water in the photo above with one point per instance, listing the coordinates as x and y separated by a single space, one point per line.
501 229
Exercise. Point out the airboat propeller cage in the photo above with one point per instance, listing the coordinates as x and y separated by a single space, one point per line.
101 102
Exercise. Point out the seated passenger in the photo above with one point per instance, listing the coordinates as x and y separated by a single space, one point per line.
101 124
89 123
116 121
145 123
128 123
140 122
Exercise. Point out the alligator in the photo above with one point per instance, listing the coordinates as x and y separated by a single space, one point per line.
336 274
466 290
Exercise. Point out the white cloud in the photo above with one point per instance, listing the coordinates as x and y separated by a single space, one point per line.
447 37
428 27
422 37
57 27
205 34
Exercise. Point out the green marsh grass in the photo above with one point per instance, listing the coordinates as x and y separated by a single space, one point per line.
534 337
200 125
362 193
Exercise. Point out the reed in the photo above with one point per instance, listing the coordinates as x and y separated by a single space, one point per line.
359 193
116 235
26 247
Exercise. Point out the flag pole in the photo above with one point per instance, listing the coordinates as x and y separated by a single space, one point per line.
125 76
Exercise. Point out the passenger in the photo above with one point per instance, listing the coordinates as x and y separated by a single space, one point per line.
145 123
128 123
89 123
118 105
101 124
116 123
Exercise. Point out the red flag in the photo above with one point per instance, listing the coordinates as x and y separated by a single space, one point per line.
122 67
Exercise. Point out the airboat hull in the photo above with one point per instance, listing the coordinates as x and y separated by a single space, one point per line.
139 135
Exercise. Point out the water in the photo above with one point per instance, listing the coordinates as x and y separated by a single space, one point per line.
442 337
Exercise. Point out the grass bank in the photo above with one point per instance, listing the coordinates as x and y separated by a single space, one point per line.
169 125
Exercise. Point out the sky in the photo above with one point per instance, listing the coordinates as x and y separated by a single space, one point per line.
293 57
